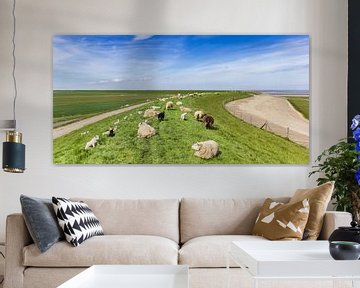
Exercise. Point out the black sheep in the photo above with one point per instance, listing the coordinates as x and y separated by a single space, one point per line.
161 116
208 120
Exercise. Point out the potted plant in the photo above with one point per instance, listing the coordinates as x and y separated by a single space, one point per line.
341 163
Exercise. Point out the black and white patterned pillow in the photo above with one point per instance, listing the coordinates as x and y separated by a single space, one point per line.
77 220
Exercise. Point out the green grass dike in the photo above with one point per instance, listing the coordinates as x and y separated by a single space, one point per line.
240 143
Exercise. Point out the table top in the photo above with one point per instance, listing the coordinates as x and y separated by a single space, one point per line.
131 276
291 259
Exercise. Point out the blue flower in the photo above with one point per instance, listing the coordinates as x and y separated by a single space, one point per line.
357 176
355 122
356 134
357 147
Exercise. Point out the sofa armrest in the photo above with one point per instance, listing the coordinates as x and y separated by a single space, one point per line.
17 237
333 220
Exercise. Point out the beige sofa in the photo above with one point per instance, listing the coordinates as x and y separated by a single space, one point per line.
194 232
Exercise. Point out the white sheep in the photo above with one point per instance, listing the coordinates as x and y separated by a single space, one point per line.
117 122
185 109
92 143
198 115
169 105
145 130
155 107
206 150
183 116
140 112
178 103
150 113
84 133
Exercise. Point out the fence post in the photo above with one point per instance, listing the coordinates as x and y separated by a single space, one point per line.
287 132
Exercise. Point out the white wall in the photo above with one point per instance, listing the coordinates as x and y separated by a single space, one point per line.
38 20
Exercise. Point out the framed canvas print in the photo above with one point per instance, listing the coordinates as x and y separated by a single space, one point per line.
181 99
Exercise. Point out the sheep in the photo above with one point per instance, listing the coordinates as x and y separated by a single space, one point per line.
185 109
198 115
161 116
92 143
206 150
84 133
208 121
169 105
150 113
183 116
155 107
117 122
178 103
110 132
140 112
145 130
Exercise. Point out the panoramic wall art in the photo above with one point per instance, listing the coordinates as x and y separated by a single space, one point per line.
181 99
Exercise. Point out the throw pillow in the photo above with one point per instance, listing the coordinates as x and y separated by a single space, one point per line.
319 198
279 221
77 220
41 222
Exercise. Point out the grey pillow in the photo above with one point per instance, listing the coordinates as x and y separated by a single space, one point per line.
41 221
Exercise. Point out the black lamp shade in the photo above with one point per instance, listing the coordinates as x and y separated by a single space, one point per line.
13 157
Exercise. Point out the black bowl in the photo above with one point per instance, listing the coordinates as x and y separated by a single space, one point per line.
344 250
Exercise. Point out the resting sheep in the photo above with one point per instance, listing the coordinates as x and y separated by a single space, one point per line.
185 109
92 143
183 116
169 105
150 113
198 115
208 121
206 150
178 103
145 130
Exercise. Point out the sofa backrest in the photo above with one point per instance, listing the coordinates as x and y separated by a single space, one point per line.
200 217
159 217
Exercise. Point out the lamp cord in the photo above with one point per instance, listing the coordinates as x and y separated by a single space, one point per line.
14 60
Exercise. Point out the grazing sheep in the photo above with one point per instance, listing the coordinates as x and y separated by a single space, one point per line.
92 143
117 122
161 116
183 116
110 132
185 109
208 121
179 103
198 115
206 150
145 130
150 113
169 105
155 107
84 133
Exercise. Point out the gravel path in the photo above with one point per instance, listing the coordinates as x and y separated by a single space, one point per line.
66 129
272 113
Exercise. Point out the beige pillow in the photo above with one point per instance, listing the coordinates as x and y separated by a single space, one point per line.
279 221
319 198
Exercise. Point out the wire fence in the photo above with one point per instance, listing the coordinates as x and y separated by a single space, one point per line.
283 131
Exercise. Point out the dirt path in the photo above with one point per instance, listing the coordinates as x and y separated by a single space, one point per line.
274 114
63 130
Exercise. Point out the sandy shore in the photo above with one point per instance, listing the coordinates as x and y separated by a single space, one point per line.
273 110
66 129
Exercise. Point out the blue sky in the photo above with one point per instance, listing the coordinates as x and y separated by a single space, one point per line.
201 62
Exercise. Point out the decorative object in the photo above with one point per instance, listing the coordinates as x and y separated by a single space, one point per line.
41 221
341 163
77 220
13 149
279 221
351 233
247 93
343 250
319 198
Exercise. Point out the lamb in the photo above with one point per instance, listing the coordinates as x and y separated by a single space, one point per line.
151 113
169 105
206 150
208 121
161 116
145 130
185 109
178 103
183 116
92 143
198 115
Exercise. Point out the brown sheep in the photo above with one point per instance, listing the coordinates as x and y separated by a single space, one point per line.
208 120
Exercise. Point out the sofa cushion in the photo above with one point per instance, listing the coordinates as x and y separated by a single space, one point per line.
200 217
107 249
158 217
211 251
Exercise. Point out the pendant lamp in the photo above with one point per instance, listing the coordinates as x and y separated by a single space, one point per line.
13 159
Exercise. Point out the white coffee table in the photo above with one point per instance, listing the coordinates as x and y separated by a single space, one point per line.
131 276
292 260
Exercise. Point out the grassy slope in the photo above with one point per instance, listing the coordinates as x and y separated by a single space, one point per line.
301 104
240 143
